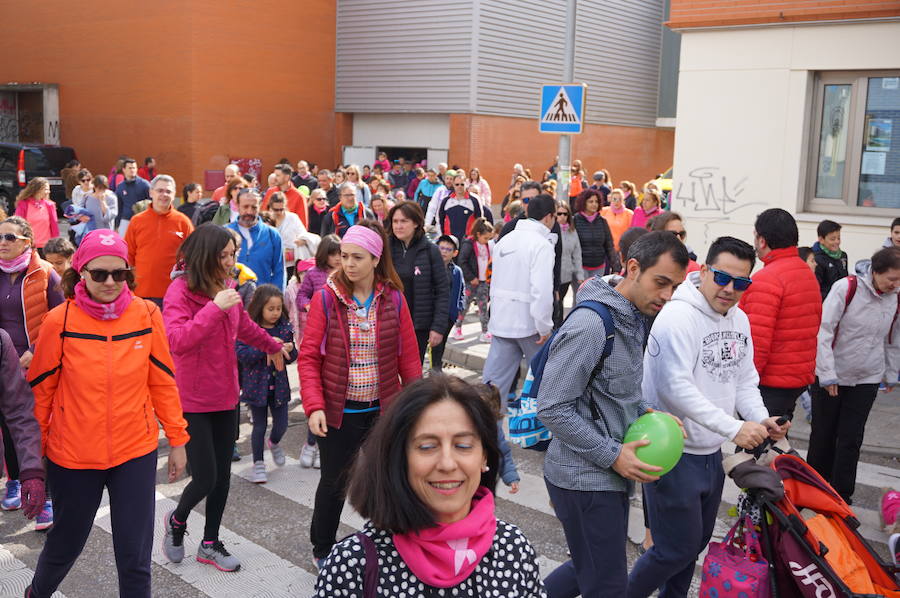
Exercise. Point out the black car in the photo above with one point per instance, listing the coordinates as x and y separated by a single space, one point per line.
20 163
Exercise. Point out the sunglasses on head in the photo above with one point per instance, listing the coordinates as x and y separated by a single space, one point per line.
9 237
722 279
102 275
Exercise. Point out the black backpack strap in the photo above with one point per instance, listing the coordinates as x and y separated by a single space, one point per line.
370 576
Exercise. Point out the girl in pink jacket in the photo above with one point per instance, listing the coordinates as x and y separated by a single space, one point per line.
204 317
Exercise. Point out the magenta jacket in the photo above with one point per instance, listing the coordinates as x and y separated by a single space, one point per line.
314 280
201 339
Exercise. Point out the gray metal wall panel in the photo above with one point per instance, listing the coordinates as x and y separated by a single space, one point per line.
491 56
617 54
403 56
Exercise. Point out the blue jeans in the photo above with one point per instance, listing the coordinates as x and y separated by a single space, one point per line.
682 507
596 527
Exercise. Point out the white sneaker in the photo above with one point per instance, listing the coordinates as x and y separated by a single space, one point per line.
259 473
277 453
485 337
457 334
309 455
316 463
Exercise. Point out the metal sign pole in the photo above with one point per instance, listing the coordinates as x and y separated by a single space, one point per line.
564 164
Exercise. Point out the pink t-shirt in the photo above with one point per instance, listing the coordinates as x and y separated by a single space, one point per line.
38 216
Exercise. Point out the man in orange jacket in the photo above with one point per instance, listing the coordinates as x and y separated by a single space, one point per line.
153 239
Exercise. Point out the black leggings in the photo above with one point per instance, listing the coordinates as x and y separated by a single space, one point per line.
209 455
337 451
260 423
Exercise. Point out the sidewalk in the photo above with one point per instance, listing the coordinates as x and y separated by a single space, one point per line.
882 429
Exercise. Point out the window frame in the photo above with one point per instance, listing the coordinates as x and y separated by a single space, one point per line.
859 82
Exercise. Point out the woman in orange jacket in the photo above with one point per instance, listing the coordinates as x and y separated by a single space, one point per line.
102 377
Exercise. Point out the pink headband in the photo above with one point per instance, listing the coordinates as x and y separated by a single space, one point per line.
97 243
365 238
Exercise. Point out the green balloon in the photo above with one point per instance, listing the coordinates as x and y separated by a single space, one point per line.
666 440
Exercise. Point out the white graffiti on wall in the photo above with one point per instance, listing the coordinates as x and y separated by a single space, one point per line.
706 190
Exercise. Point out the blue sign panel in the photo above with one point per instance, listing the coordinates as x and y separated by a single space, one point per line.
562 108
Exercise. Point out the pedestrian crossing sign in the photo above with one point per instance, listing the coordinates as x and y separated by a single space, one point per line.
562 108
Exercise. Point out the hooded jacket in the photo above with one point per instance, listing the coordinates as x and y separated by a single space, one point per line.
828 269
585 445
699 367
867 347
784 307
522 282
202 337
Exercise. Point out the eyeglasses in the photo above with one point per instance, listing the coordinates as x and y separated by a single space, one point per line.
562 213
9 237
681 234
446 249
459 184
102 275
87 180
722 279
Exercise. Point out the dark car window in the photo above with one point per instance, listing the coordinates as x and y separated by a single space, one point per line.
35 161
48 161
7 159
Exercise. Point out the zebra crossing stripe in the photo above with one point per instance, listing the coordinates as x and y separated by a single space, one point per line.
261 570
15 575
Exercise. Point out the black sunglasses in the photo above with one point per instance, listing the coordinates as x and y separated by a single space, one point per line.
9 237
722 279
102 275
562 213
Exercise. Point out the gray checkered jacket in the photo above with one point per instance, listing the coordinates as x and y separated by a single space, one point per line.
587 441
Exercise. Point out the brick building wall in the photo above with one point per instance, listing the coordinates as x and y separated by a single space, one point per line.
721 13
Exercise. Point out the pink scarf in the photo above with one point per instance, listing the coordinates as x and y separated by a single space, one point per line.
102 311
17 264
590 218
445 555
616 210
564 227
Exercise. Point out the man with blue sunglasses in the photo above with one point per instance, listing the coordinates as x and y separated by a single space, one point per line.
699 366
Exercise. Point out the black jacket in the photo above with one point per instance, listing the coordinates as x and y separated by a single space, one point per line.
468 261
828 269
425 284
596 243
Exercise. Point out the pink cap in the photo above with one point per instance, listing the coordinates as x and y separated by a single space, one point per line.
364 237
97 243
304 265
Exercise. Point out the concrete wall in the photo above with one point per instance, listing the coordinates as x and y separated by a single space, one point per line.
190 82
744 110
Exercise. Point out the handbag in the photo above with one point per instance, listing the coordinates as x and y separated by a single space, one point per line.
730 569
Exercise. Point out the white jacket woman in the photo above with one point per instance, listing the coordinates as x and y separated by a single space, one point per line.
867 347
859 348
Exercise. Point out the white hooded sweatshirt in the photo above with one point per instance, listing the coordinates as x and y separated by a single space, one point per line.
699 366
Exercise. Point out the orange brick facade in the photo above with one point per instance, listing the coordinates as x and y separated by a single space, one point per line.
722 13
192 83
495 143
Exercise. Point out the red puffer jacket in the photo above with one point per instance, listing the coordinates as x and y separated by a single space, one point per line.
785 308
324 362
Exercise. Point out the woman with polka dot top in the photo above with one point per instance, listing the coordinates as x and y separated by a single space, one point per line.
425 480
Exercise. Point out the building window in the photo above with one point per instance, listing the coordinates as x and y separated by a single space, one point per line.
855 153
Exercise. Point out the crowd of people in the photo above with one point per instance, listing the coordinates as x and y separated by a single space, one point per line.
149 315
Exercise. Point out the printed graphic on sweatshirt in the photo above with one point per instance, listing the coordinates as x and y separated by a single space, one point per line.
722 354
